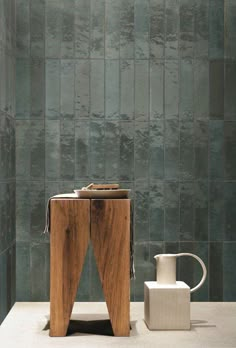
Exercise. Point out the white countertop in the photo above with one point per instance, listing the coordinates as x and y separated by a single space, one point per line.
213 324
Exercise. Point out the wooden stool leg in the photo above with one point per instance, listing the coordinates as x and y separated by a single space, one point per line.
110 236
69 238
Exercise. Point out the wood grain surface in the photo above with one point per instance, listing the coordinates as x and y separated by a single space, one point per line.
71 231
69 238
110 236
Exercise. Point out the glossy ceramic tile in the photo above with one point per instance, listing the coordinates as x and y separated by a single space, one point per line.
37 24
216 275
67 29
157 30
216 95
53 28
140 92
97 23
141 27
216 211
81 28
229 286
112 28
216 29
127 29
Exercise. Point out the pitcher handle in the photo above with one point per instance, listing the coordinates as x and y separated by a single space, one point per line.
204 270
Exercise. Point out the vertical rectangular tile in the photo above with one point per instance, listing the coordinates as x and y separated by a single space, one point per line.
186 211
229 271
126 150
22 149
97 150
22 28
144 269
141 27
82 86
156 149
23 88
22 210
201 89
127 89
37 149
201 29
3 79
97 88
37 24
51 189
186 166
201 211
202 250
156 89
97 23
186 96
216 29
141 150
216 89
67 37
171 28
37 87
216 271
82 150
156 210
171 89
67 87
216 211
230 211
186 39
216 151
53 27
112 150
141 211
141 90
127 29
112 93
112 29
37 213
229 89
3 286
230 27
171 150
67 153
155 248
11 255
38 260
157 28
23 292
82 28
52 89
230 150
185 265
171 194
52 149
201 149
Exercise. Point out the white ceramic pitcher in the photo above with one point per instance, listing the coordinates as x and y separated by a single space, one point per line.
166 269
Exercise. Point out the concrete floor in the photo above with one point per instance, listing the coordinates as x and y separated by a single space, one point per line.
212 325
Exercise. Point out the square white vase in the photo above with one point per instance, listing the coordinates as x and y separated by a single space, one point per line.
167 307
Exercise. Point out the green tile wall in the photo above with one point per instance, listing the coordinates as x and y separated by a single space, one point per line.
140 92
7 157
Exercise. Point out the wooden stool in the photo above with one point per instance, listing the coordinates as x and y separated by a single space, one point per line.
73 223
